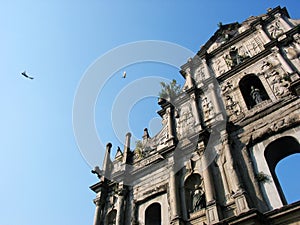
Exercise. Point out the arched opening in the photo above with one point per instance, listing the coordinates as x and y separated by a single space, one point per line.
153 214
287 171
276 151
194 193
252 90
111 217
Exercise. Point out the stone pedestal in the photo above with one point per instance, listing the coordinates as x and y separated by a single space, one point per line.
212 213
241 203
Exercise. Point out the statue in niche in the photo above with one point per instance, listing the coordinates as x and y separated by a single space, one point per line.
112 222
256 95
198 198
234 55
234 58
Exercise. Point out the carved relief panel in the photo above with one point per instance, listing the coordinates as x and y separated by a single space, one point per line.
231 101
276 77
275 29
185 120
207 108
200 74
237 54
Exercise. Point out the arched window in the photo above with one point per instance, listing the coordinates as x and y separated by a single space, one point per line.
194 193
287 171
111 217
276 151
153 214
252 90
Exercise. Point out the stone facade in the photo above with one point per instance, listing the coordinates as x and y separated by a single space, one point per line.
214 160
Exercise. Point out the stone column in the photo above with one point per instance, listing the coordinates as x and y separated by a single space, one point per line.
232 170
183 203
107 161
208 181
214 98
134 220
98 211
173 195
263 33
211 206
170 123
120 210
195 109
126 147
261 203
284 64
206 68
239 193
223 177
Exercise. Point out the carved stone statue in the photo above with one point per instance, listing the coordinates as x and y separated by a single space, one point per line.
279 86
255 94
198 198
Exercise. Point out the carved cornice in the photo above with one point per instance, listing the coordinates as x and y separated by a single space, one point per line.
248 62
260 131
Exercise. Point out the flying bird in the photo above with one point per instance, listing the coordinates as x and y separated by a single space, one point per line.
25 75
124 74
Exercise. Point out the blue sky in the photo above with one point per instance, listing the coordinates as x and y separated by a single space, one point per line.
44 178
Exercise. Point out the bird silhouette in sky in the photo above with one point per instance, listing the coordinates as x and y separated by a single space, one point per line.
25 75
124 74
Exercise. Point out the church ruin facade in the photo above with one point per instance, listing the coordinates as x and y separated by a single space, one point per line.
214 160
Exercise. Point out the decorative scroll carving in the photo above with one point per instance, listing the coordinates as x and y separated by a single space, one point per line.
200 74
233 108
275 29
220 65
227 87
279 85
297 38
277 79
274 126
208 109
